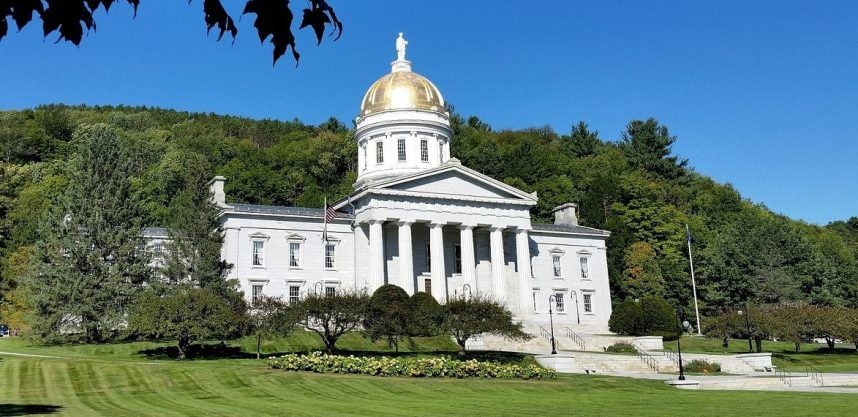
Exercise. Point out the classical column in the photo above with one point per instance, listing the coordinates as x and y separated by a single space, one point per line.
406 258
522 256
439 279
496 243
469 268
376 254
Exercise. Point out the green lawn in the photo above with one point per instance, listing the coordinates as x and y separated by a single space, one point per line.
783 353
119 380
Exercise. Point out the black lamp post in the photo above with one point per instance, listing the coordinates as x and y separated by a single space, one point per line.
577 313
551 299
685 325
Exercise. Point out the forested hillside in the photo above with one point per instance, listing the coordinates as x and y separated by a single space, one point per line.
631 185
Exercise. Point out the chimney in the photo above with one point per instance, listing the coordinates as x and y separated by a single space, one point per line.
566 214
216 187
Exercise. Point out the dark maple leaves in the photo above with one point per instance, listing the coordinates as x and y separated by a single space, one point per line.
72 18
274 19
217 15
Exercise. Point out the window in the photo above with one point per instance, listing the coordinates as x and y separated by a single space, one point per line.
330 291
428 257
400 149
294 294
427 285
158 249
535 295
588 303
457 260
364 157
585 268
294 254
255 294
330 251
424 150
258 247
558 301
555 260
379 152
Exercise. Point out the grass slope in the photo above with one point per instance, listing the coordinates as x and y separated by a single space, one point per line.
118 380
844 359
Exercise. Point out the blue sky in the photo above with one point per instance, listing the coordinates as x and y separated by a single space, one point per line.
763 95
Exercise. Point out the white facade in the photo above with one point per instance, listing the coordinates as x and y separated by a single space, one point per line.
420 220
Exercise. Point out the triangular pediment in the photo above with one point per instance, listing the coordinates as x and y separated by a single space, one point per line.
456 180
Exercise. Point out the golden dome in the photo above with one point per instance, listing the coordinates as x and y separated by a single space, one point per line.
402 90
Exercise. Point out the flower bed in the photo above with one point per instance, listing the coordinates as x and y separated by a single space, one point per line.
703 366
442 366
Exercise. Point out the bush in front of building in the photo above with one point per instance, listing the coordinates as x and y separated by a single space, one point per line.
425 315
432 367
651 316
703 366
659 318
627 319
387 315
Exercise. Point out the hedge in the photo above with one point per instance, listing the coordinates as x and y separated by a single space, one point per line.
442 366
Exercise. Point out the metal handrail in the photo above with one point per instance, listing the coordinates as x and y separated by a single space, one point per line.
814 374
576 338
672 356
648 359
784 376
545 334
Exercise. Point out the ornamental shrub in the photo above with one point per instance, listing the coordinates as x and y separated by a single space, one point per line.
425 315
659 318
627 319
387 315
427 367
621 347
703 366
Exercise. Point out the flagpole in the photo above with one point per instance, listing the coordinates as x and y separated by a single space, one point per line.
324 246
693 282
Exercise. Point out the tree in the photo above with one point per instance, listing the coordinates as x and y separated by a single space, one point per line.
387 315
627 318
642 276
465 318
329 316
186 314
648 144
72 18
263 316
425 315
89 266
582 142
196 238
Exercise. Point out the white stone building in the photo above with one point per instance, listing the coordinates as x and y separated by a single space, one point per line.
420 220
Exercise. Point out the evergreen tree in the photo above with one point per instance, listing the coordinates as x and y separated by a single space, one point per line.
582 142
196 237
647 144
88 266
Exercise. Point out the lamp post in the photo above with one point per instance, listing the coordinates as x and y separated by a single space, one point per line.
577 313
551 299
685 325
748 324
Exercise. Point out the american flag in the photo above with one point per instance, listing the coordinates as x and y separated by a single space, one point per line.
330 215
